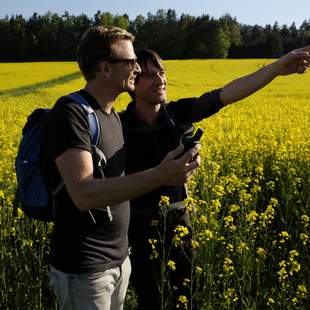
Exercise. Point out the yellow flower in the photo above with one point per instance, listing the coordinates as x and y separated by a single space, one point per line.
230 247
302 291
251 217
261 253
195 244
199 269
20 213
282 273
259 169
154 254
182 231
270 301
274 202
164 201
152 242
228 266
244 197
171 265
304 238
13 231
216 204
230 295
295 301
182 299
154 223
228 219
179 233
29 243
234 208
256 189
284 236
186 281
218 190
267 216
293 253
242 247
282 263
305 220
203 219
50 227
295 267
270 185
206 234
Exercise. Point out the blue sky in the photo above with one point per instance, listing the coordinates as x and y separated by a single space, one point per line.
259 12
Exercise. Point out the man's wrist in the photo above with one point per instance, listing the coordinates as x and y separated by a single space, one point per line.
275 68
157 176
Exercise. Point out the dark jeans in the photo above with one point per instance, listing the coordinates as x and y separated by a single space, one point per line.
146 276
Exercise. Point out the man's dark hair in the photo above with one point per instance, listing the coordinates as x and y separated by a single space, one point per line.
95 46
145 55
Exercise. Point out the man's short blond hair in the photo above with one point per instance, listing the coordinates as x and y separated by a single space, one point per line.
95 46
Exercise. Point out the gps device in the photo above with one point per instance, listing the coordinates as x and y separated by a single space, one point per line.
190 141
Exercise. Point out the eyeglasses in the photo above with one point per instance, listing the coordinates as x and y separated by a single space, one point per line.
132 61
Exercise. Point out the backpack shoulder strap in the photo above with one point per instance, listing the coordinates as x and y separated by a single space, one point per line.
92 116
95 134
116 114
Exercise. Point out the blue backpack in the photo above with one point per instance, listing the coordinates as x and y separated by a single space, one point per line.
31 193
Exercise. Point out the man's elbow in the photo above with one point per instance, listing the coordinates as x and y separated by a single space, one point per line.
80 194
80 198
81 202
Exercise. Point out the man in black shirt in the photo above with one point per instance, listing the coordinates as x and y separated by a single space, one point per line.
89 249
153 128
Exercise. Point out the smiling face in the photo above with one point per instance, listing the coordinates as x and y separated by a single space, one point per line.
151 85
124 68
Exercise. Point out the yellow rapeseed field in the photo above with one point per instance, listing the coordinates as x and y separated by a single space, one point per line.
249 202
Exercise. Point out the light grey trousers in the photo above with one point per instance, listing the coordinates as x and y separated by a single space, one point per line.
91 291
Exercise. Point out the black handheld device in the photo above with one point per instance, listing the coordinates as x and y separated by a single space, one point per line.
190 141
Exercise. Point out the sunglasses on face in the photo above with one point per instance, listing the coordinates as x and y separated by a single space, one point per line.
132 61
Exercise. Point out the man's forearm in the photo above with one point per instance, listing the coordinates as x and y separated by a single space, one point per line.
249 84
98 193
76 169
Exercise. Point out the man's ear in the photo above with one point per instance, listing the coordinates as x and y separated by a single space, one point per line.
105 68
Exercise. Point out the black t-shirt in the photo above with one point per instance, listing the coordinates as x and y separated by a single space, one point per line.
84 241
146 146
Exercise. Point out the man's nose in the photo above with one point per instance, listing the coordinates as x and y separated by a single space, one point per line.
137 68
159 78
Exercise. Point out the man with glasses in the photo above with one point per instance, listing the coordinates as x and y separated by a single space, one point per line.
89 264
152 129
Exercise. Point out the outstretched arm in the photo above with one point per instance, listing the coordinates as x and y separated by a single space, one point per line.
296 61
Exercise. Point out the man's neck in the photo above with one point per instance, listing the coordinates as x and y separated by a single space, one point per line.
104 96
147 112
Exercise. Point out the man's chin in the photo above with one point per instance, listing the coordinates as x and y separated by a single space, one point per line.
130 87
162 99
160 96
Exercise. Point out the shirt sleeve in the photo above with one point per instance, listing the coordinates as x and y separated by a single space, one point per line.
67 127
206 105
191 110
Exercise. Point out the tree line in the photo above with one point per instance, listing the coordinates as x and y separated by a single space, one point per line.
55 37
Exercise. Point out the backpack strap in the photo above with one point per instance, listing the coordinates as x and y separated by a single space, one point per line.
92 116
95 134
